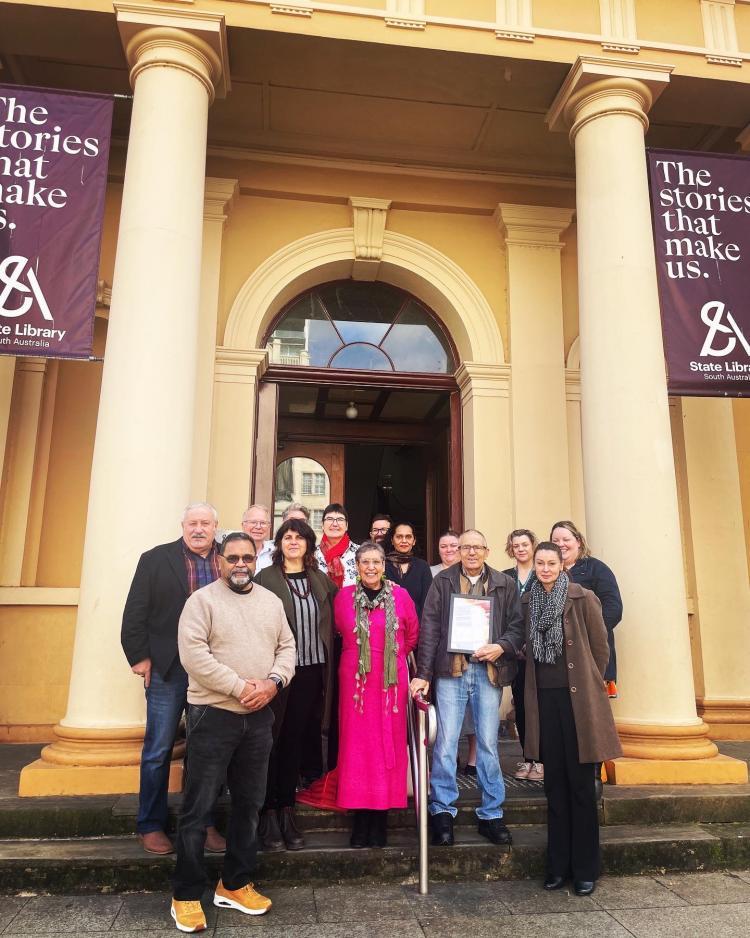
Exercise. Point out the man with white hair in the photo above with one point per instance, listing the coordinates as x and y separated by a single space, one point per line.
256 522
164 578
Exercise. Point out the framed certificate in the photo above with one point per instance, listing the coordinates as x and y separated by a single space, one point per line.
469 624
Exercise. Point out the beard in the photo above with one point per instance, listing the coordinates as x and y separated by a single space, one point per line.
239 582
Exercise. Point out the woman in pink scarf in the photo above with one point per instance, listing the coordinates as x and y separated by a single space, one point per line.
379 627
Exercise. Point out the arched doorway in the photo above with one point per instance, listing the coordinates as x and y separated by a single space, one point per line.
361 384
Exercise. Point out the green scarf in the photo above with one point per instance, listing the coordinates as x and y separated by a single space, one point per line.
363 605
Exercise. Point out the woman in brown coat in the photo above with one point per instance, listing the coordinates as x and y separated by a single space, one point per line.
569 725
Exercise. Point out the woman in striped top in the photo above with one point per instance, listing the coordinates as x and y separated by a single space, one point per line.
306 594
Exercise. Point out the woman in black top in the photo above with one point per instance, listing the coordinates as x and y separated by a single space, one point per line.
596 576
404 567
306 594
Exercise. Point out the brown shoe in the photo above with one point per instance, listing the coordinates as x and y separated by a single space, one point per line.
269 832
215 843
156 842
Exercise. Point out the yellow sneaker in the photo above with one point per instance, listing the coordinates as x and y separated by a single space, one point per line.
245 900
188 916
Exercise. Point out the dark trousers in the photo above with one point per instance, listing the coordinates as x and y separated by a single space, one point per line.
572 819
518 686
222 746
297 722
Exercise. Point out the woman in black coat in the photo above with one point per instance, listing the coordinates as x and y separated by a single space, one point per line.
596 576
402 566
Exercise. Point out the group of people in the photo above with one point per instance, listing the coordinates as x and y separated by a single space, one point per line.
291 657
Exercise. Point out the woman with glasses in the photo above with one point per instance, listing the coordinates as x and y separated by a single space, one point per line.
569 723
404 567
379 627
335 554
306 594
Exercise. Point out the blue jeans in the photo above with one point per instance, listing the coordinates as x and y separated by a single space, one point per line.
166 699
222 745
451 695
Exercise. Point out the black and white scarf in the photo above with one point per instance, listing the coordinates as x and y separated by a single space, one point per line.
545 618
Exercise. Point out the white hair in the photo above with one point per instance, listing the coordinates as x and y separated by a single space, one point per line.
195 505
260 508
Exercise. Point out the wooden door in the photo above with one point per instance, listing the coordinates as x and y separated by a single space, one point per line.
299 468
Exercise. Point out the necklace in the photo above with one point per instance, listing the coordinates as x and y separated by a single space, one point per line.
292 584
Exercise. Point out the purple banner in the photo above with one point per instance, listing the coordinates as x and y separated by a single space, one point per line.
54 148
700 204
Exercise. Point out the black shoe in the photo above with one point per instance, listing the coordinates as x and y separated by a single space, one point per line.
442 829
269 832
494 830
583 887
360 829
554 882
470 770
289 831
378 829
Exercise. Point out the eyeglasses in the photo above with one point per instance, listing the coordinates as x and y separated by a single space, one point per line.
257 524
379 530
234 559
334 519
472 548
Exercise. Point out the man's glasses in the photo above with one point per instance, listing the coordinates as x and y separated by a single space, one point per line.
257 524
379 530
234 559
472 548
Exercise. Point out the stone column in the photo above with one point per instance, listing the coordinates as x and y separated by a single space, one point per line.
719 563
220 197
488 464
631 497
22 435
141 471
236 379
537 354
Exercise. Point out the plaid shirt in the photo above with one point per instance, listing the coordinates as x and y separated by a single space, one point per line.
200 570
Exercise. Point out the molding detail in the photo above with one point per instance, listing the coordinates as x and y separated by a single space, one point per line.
514 34
103 293
618 19
220 197
536 226
240 366
630 48
292 9
720 32
38 596
405 23
369 218
406 262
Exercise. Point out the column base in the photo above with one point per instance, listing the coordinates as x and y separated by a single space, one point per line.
726 719
718 770
93 761
43 779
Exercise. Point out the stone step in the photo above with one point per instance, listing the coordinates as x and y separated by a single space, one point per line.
115 815
119 863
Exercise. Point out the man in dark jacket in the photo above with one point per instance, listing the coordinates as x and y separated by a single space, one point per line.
164 578
477 678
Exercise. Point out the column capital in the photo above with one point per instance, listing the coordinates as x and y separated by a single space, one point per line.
195 41
536 226
219 198
486 380
596 86
240 366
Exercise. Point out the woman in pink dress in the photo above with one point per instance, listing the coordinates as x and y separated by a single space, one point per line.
379 627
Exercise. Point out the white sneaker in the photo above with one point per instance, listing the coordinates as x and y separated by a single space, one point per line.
523 770
536 773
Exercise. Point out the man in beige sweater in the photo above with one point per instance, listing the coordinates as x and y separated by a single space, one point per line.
238 650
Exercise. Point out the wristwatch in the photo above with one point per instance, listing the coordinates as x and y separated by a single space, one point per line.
278 682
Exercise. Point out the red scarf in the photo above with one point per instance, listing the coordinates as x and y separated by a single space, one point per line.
331 555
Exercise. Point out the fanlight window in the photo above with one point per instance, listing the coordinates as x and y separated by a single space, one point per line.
362 327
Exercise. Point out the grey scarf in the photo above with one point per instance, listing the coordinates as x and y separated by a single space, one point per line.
545 618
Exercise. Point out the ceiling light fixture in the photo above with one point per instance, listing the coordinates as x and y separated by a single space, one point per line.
351 411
